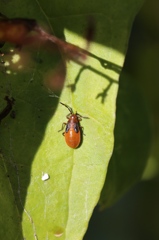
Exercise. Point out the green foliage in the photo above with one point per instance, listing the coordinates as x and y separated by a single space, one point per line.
132 141
30 143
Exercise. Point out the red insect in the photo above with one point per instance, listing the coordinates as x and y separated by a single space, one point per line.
72 132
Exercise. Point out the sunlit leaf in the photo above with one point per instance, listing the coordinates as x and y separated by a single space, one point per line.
61 206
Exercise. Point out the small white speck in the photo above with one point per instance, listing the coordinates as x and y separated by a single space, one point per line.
58 235
15 58
6 64
45 176
8 72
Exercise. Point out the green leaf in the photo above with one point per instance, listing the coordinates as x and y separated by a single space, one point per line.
62 205
9 220
132 142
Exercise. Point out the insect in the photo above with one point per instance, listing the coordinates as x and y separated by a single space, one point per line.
72 132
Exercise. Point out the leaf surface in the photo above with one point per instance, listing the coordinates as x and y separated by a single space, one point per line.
62 206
